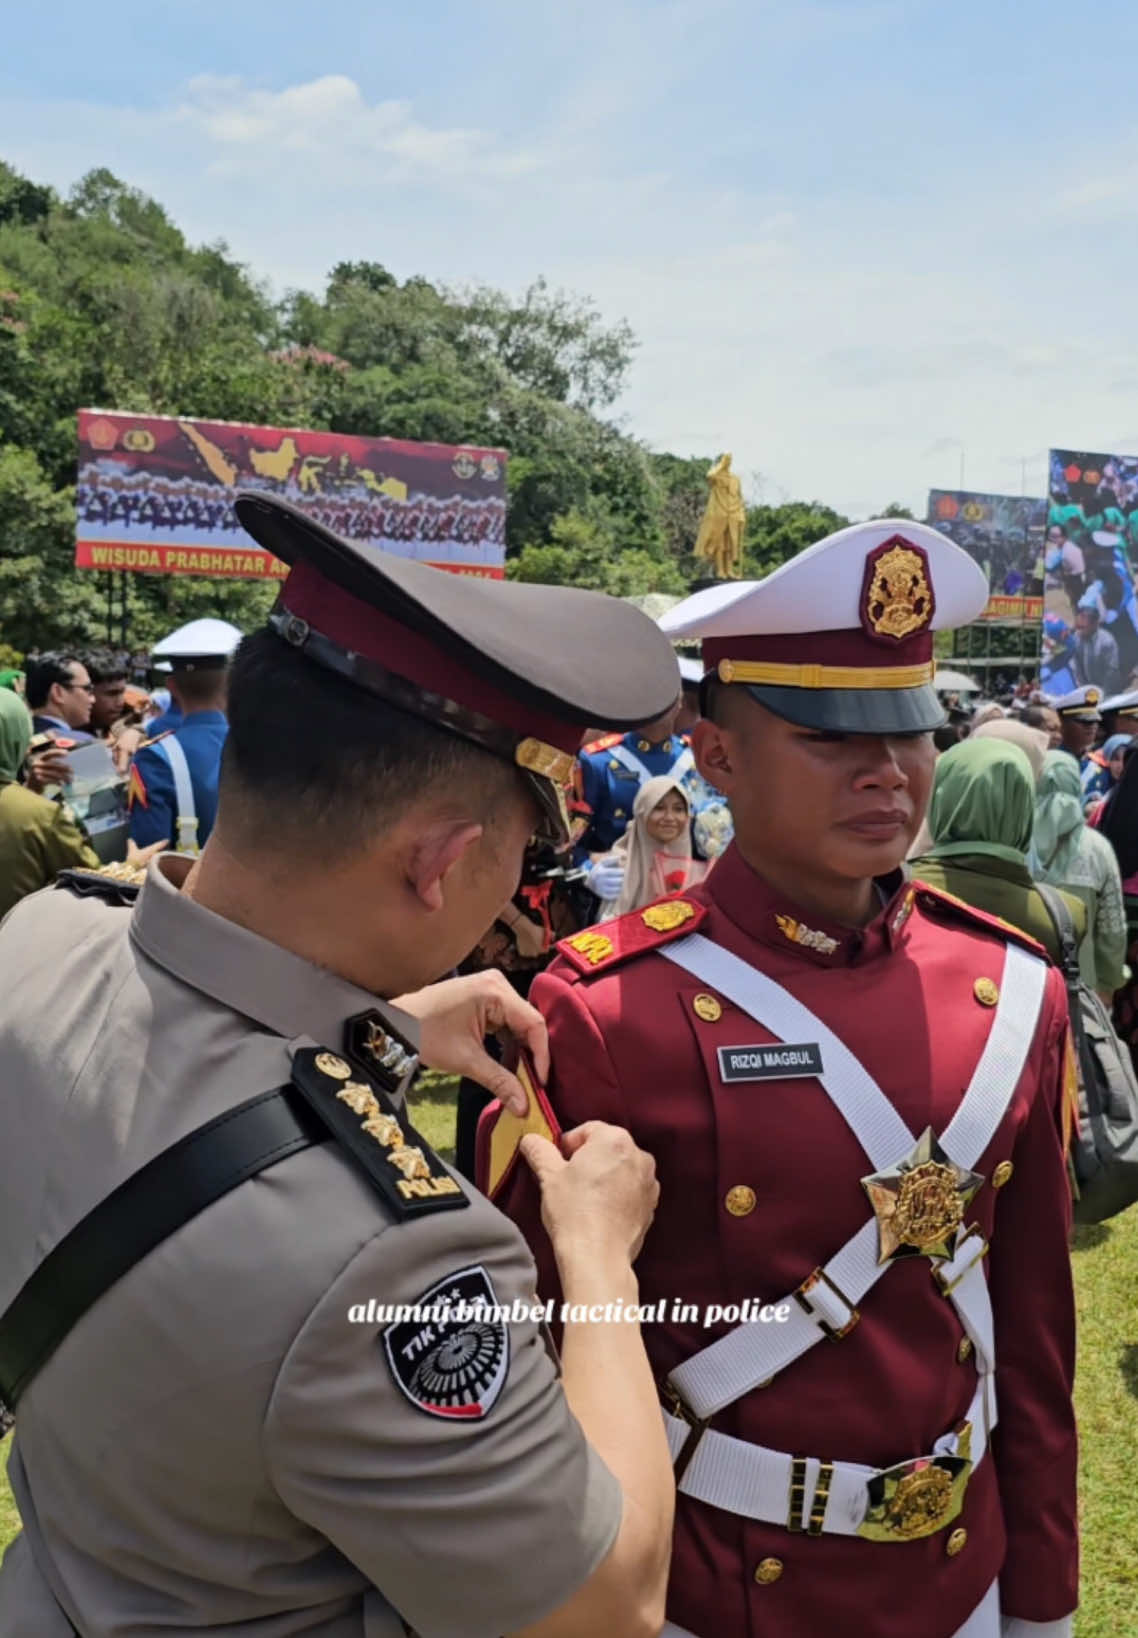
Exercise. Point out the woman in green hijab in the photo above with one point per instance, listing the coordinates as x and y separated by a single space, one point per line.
38 838
1066 852
981 817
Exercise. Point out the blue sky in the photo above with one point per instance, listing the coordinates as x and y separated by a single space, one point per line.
856 240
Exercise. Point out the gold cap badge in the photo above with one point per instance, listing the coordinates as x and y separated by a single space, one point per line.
898 598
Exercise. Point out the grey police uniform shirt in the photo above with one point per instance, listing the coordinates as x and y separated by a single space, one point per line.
215 1444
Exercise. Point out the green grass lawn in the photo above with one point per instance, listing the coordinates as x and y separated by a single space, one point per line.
1106 1266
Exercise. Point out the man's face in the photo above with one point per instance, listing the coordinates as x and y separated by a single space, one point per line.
1055 535
659 728
107 706
1078 736
1053 728
71 701
1085 622
822 805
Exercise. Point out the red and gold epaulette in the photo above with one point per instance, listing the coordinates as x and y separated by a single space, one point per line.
942 905
600 948
605 743
500 1132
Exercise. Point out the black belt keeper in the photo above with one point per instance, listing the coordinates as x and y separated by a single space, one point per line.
143 1211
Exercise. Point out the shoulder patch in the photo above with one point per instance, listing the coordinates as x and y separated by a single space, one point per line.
605 743
90 884
451 1357
944 906
400 1165
600 948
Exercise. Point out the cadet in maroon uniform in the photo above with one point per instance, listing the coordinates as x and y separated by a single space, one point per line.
854 1089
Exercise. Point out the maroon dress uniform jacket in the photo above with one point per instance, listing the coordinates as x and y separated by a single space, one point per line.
629 1047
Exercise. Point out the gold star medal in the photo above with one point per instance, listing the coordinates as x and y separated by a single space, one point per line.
920 1202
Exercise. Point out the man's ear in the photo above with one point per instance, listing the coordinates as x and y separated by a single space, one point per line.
434 852
713 752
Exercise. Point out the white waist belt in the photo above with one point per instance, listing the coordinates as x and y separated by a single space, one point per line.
757 1483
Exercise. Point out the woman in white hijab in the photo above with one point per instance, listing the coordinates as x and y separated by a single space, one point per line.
655 851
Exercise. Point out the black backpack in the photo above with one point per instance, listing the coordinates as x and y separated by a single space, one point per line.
1104 1149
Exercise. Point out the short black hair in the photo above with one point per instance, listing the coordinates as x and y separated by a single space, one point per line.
1033 716
103 666
946 736
316 762
43 673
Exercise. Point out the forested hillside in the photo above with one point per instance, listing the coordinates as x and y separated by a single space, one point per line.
104 303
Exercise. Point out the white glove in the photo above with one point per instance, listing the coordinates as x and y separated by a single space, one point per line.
606 879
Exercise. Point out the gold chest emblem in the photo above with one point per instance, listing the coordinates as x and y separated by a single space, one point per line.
594 947
664 918
920 1202
929 1208
899 600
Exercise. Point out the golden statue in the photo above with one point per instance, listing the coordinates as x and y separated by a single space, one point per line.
720 539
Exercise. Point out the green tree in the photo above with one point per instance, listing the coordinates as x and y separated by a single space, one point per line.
775 534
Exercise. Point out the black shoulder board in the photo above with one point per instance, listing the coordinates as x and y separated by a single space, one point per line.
399 1164
86 884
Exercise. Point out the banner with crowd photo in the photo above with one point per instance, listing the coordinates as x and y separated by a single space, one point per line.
155 495
1004 534
1090 621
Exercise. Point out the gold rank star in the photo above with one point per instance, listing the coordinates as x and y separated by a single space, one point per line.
920 1202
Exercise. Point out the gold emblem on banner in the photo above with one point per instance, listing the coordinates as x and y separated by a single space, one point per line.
920 1203
899 601
664 918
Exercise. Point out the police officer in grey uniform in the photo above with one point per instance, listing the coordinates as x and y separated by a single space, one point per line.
250 1324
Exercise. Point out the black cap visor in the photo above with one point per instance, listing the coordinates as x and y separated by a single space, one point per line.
854 710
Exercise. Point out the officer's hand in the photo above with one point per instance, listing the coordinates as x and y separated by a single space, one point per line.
139 857
47 766
598 1194
123 746
455 1017
605 879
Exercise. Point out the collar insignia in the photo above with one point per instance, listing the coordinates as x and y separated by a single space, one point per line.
797 933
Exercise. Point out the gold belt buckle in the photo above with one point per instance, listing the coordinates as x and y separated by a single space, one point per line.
918 1498
697 1427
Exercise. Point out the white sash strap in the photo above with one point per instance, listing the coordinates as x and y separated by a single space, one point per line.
628 759
684 763
186 827
755 1483
757 1351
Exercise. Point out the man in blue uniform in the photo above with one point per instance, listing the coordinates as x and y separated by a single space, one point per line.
1079 720
174 778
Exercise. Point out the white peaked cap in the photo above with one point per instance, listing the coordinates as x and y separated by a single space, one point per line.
821 589
199 640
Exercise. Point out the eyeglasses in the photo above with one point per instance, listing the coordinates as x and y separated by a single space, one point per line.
88 688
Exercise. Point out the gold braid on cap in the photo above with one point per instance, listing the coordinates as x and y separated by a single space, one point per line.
774 675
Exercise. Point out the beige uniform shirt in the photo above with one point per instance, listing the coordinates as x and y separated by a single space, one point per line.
215 1445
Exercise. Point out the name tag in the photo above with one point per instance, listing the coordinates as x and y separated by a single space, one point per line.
775 1062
